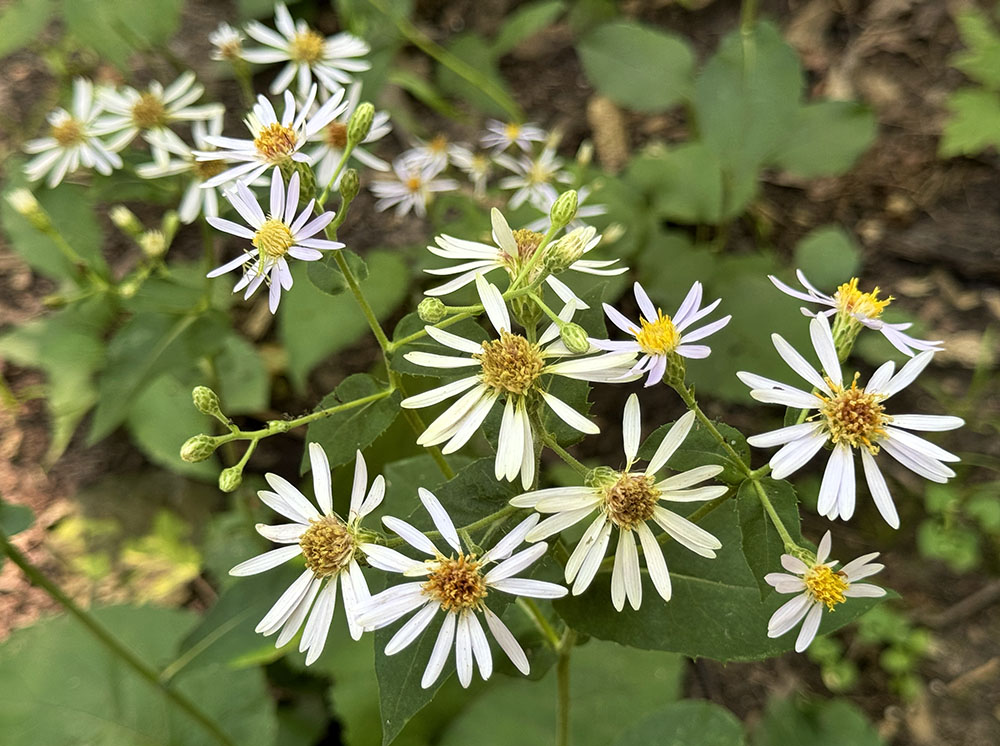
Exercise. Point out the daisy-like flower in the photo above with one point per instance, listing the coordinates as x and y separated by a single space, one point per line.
658 336
817 585
228 43
509 367
308 54
582 211
330 546
333 139
196 201
627 500
432 154
849 418
458 584
510 251
72 141
533 177
854 309
501 135
274 236
274 142
477 166
412 189
152 111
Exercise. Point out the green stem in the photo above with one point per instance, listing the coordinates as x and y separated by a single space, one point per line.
565 455
562 687
458 66
336 172
553 316
688 397
106 638
531 610
499 515
535 258
359 296
790 546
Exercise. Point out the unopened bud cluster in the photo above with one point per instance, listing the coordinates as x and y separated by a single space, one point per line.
431 310
563 210
350 185
575 338
198 448
360 123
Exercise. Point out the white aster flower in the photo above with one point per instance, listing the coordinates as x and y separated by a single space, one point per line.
274 142
228 43
582 210
72 141
657 335
818 585
431 154
274 236
196 200
151 112
501 135
849 304
511 250
412 189
458 584
308 54
333 139
509 368
627 501
533 177
477 166
849 418
331 548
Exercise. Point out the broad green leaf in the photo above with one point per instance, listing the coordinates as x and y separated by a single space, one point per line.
700 448
22 22
524 22
344 433
610 686
404 476
475 51
69 347
746 100
819 723
62 686
981 60
715 612
15 518
314 325
325 275
974 124
471 495
691 187
71 210
826 139
828 256
161 418
637 66
762 547
116 29
243 382
422 90
147 346
686 723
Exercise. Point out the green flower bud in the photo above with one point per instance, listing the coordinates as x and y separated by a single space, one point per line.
431 310
601 478
675 373
574 337
169 225
126 221
24 202
564 209
561 254
360 123
231 478
206 401
153 244
350 185
526 311
198 448
307 180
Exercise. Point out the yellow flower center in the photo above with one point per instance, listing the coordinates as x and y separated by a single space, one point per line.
657 337
854 416
825 585
205 170
630 500
68 132
852 301
275 142
307 47
456 583
413 183
512 130
148 111
327 546
438 145
273 238
511 363
336 135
